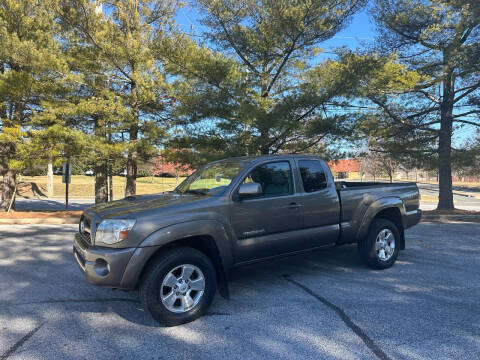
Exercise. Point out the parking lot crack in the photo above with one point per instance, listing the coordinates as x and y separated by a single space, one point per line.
344 317
20 343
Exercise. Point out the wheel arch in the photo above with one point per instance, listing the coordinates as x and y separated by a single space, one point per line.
394 215
206 245
207 236
389 208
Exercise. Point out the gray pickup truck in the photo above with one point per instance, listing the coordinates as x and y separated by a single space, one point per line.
177 247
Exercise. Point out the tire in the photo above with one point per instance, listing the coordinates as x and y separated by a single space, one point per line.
371 253
157 291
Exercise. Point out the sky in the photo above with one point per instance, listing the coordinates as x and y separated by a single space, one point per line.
360 30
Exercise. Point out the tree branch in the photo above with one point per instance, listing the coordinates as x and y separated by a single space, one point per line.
466 113
466 93
235 47
427 95
468 122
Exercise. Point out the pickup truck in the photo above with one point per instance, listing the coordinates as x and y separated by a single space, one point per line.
178 247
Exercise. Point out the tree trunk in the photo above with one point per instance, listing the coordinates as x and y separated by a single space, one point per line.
445 197
3 171
50 179
131 187
264 149
101 189
110 182
100 170
8 189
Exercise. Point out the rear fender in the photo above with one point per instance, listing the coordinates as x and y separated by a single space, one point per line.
375 208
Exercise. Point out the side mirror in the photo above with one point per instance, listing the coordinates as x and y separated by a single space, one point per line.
250 190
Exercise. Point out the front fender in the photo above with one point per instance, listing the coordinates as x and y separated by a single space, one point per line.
169 234
374 208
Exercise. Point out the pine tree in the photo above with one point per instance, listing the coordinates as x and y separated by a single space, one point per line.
33 72
93 105
121 37
247 90
440 40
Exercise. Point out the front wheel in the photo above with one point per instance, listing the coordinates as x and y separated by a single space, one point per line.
179 286
379 249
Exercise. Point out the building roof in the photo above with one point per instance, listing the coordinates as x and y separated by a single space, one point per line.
345 165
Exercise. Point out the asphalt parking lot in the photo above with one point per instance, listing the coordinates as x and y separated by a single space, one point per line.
322 305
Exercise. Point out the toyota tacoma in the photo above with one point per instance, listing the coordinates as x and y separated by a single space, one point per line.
178 247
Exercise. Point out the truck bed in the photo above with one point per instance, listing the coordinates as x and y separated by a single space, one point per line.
368 184
358 197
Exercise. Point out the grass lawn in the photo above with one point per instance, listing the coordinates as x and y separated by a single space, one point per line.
83 186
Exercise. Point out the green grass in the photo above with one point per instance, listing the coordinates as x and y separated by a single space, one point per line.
83 186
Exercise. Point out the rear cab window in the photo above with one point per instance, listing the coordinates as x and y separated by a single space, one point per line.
313 175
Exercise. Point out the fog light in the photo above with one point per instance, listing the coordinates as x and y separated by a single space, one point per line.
101 267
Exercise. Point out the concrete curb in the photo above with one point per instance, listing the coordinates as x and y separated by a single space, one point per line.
464 218
39 221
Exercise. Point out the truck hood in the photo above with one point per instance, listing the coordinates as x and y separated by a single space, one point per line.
139 203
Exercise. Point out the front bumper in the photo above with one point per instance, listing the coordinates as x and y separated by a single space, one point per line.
101 266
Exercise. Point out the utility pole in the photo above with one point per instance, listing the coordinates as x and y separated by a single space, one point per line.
67 174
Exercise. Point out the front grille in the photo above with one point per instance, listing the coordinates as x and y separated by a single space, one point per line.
85 229
86 237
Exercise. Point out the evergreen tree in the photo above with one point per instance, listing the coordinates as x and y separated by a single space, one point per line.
440 40
121 38
93 105
33 72
249 90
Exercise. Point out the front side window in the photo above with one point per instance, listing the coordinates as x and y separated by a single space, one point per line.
313 176
276 178
212 179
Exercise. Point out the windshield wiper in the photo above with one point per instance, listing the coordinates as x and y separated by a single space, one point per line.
195 192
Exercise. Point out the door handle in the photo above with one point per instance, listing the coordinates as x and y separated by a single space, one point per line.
294 206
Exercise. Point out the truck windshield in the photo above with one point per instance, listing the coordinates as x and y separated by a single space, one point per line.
212 179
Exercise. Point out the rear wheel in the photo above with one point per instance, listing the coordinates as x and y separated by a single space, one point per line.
379 249
179 286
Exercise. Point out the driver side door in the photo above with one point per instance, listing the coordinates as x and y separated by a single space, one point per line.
267 225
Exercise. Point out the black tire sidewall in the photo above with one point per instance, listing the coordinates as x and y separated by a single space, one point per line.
369 252
150 287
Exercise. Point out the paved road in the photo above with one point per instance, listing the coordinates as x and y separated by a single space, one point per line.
461 200
323 305
462 196
52 204
456 188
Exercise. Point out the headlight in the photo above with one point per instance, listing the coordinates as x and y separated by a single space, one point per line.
112 231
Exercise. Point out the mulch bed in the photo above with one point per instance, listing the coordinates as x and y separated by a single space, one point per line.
40 214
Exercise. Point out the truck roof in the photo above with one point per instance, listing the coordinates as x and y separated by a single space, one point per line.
266 157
